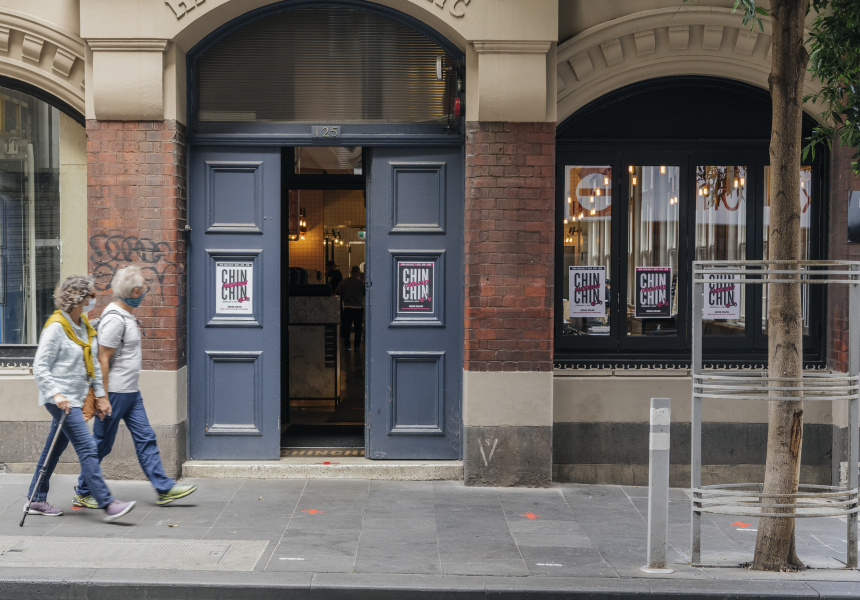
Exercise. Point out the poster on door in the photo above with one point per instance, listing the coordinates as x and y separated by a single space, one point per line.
587 293
415 287
653 292
234 282
722 297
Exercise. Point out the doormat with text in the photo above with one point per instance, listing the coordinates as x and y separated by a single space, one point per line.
288 452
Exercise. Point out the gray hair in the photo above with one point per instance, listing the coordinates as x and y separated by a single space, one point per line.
72 291
125 280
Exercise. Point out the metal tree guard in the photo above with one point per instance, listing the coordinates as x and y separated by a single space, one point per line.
748 499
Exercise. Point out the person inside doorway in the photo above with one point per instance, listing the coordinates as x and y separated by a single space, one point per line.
351 292
333 276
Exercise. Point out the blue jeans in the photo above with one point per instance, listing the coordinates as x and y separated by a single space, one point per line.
129 407
74 430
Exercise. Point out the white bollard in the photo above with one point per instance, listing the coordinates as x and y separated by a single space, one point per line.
658 486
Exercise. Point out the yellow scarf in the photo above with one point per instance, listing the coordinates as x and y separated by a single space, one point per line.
58 317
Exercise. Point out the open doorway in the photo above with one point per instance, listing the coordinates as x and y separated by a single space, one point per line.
323 390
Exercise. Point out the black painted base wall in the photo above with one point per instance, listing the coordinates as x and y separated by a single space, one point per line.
731 452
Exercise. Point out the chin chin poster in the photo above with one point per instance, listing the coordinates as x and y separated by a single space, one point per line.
587 293
653 292
722 297
415 287
234 282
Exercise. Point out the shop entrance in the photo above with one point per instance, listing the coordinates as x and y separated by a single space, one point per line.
322 411
265 346
306 132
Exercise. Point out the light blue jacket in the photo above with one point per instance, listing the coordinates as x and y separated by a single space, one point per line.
59 365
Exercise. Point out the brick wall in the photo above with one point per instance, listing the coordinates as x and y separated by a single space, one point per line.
509 251
136 197
842 181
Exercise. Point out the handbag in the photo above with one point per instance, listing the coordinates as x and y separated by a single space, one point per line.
89 408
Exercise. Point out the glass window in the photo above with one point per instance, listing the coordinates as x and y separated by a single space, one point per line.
652 250
327 65
586 227
721 234
29 215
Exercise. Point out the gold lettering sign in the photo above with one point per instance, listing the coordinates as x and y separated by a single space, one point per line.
182 7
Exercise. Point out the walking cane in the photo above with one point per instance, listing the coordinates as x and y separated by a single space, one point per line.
43 469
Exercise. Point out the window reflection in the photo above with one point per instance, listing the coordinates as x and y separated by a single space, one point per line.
652 262
721 234
586 230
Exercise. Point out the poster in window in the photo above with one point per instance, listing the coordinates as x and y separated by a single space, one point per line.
415 287
233 288
722 297
653 292
587 292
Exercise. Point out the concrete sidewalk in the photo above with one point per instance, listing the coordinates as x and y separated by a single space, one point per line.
345 539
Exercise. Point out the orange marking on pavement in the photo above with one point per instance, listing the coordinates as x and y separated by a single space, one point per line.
313 511
326 463
530 516
739 524
75 507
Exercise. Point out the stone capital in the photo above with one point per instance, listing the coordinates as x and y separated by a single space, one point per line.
128 78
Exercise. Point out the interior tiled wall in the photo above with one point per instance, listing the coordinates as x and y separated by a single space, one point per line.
342 210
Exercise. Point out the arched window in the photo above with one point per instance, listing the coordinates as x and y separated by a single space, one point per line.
651 178
30 240
327 64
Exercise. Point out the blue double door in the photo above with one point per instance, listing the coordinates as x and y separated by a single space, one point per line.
237 357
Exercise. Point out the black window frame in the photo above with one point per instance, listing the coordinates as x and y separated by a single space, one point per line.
618 349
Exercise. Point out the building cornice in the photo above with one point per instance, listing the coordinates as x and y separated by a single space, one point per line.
128 44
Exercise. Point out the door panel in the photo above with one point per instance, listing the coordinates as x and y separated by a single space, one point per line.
234 317
414 303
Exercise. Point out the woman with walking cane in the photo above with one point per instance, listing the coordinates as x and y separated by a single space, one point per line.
120 360
65 366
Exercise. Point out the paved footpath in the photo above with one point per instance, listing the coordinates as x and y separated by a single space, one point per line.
380 540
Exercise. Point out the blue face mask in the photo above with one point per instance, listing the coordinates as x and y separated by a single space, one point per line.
134 302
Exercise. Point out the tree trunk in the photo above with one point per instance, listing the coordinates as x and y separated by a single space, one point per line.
775 548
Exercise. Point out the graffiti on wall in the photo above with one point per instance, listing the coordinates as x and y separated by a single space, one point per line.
109 253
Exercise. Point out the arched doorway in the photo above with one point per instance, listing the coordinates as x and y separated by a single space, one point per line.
380 92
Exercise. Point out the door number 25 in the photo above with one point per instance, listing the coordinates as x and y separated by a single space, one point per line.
330 131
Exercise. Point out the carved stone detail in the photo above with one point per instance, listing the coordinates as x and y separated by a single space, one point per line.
5 32
32 48
713 37
646 42
46 57
613 53
63 61
679 37
693 40
745 44
582 66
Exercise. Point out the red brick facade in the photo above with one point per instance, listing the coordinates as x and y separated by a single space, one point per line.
136 213
509 249
842 182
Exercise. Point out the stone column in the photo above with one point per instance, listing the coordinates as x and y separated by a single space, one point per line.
509 255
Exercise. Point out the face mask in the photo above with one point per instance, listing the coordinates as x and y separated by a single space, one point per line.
89 305
134 302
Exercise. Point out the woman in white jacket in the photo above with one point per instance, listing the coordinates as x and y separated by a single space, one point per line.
65 366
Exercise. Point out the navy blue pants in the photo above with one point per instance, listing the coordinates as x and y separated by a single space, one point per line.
350 316
74 430
128 407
